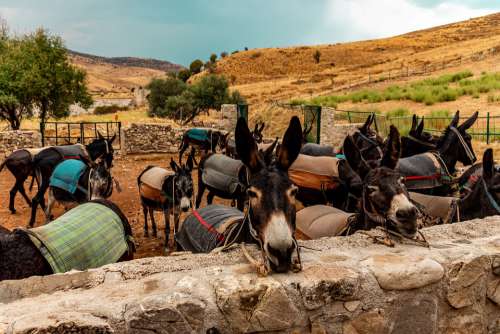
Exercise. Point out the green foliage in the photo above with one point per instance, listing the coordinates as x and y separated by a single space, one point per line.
236 98
213 58
399 112
103 110
444 88
160 90
196 66
184 75
223 54
35 71
317 56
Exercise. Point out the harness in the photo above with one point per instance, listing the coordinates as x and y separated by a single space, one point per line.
372 143
492 201
468 151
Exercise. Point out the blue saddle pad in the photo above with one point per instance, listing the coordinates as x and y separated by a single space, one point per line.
198 134
67 174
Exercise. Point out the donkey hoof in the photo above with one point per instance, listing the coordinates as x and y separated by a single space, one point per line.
296 267
12 211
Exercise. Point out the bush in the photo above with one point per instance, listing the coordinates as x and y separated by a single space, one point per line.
399 112
102 110
160 90
196 66
184 74
223 54
213 58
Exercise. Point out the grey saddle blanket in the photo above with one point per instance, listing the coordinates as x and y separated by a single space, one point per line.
320 221
441 207
423 171
203 230
71 151
221 172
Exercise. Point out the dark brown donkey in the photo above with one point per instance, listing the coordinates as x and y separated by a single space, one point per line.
270 219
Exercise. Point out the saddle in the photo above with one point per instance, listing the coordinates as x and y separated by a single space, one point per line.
320 173
205 229
88 236
71 151
67 175
444 208
151 183
222 172
423 171
199 134
320 221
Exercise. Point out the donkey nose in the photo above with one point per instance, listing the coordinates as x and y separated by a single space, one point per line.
407 213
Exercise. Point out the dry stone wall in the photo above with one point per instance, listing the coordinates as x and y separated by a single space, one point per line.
13 140
348 285
151 138
333 133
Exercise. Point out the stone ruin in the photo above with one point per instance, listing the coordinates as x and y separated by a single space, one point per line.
348 285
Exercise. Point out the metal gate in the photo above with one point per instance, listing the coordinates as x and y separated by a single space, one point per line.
312 123
65 133
242 111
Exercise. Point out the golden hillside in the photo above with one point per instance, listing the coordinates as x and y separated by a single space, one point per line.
263 75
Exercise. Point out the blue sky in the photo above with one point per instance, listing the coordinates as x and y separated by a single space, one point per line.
183 30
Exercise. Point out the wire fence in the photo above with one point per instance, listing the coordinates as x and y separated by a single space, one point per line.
486 128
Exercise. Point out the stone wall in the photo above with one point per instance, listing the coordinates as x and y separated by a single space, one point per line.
333 133
348 285
13 140
151 138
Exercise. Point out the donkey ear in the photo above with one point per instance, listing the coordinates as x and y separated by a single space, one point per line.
413 123
354 158
268 153
420 127
488 164
456 118
262 127
174 165
468 123
292 142
392 149
246 147
190 163
256 127
112 139
368 123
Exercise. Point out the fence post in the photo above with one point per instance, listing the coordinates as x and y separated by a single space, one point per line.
82 134
349 116
488 127
42 131
375 121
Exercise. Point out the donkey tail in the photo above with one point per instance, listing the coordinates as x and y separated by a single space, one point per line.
3 164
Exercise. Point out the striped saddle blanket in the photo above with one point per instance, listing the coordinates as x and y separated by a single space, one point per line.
223 173
320 173
67 174
320 221
88 236
204 229
151 183
423 171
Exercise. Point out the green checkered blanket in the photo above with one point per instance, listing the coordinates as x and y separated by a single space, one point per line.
88 236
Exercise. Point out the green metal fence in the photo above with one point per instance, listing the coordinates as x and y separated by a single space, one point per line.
486 128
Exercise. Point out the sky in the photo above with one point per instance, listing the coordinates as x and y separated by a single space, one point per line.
183 30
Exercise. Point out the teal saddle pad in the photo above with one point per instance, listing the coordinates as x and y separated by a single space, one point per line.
67 174
198 134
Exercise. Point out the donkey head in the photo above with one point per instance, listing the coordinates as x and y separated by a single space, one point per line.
220 140
368 140
385 199
183 183
102 148
257 132
271 194
417 140
455 144
101 182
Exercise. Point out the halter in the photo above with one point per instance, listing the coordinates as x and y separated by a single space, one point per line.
492 201
468 151
372 142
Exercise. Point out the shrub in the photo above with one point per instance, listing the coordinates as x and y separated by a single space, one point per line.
160 90
213 58
256 55
196 66
223 54
317 56
399 112
184 75
102 110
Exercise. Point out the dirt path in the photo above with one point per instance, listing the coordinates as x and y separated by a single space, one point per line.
125 170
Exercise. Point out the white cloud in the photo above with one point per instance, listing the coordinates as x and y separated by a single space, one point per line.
364 19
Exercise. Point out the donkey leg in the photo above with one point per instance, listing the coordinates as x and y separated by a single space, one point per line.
145 211
166 214
210 197
153 222
12 197
38 200
23 192
184 146
201 191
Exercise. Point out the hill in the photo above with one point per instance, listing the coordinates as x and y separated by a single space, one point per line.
265 75
116 76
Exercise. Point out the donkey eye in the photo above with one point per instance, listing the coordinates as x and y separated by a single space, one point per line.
372 189
252 193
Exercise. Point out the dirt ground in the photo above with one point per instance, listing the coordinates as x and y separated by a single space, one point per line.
125 170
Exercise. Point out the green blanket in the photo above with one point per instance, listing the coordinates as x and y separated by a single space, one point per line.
88 236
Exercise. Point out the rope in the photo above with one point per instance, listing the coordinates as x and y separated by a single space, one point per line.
468 151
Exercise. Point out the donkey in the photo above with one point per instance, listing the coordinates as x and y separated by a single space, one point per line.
46 161
98 240
270 218
368 140
203 138
257 134
384 200
417 140
74 182
169 192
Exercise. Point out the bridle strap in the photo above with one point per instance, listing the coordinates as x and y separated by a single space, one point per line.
468 151
372 143
492 201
